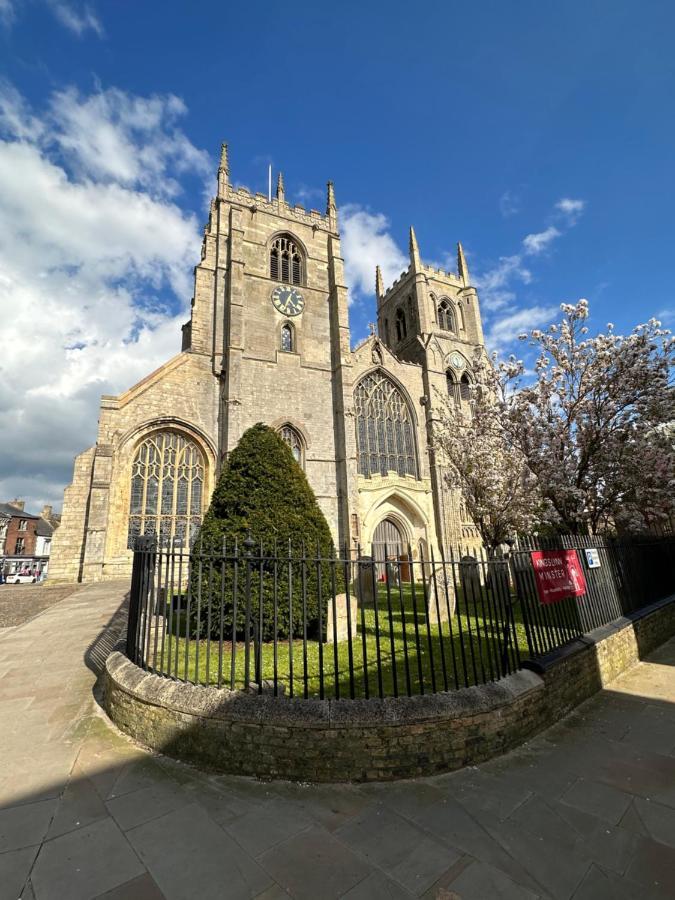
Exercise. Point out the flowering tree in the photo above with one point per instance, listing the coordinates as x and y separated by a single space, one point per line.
595 428
481 461
593 423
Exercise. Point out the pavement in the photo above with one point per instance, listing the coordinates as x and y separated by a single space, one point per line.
585 810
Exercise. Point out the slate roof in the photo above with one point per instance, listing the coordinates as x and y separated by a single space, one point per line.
44 529
10 510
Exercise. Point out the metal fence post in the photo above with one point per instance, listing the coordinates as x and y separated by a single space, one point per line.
139 578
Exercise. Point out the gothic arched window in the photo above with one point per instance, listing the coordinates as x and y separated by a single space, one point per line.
446 316
385 436
401 327
286 260
287 338
465 388
452 385
167 486
291 437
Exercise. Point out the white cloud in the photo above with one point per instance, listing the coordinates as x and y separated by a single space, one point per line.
494 284
7 12
95 277
505 330
76 21
16 118
538 242
114 136
308 196
570 208
366 243
509 204
498 284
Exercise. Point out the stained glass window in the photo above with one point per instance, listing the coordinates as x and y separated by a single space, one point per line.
167 481
287 338
385 438
294 441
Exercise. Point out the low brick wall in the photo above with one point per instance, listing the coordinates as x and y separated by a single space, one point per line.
373 740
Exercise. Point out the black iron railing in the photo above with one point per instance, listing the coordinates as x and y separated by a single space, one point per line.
303 625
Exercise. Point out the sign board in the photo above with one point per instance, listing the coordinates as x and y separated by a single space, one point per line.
558 574
592 558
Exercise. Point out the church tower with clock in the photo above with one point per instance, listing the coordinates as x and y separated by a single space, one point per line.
268 341
271 280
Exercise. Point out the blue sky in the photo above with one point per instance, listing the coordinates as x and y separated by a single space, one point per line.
539 135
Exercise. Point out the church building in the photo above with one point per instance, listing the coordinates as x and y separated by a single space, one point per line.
268 340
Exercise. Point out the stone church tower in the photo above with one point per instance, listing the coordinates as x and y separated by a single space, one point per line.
268 341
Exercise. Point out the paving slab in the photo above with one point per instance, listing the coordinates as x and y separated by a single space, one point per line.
479 881
585 810
315 864
84 863
258 830
26 825
15 866
189 855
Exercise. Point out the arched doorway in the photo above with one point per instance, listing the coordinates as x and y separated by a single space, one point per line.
388 538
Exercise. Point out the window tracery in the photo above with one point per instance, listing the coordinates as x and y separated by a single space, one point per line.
291 437
385 437
446 316
286 263
167 485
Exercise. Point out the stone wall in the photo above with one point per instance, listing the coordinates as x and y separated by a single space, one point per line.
373 740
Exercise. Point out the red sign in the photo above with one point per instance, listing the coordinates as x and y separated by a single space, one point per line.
558 574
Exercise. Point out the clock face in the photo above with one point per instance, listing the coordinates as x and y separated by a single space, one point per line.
457 360
288 301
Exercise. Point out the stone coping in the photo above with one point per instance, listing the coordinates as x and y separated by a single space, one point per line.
236 706
375 739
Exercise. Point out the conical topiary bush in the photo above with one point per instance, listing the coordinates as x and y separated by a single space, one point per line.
263 493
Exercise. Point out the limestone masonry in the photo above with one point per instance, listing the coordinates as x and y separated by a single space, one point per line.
268 340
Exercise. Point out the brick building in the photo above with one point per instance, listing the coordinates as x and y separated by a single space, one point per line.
268 340
27 541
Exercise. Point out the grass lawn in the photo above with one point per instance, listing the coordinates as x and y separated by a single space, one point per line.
407 654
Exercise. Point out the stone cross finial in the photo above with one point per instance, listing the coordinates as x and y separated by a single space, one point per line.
371 326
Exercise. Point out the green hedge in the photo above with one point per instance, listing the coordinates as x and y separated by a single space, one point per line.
263 493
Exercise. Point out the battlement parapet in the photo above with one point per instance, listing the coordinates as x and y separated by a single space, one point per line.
243 196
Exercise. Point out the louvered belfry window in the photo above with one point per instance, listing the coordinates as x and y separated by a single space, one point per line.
385 436
167 486
401 326
446 317
285 261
